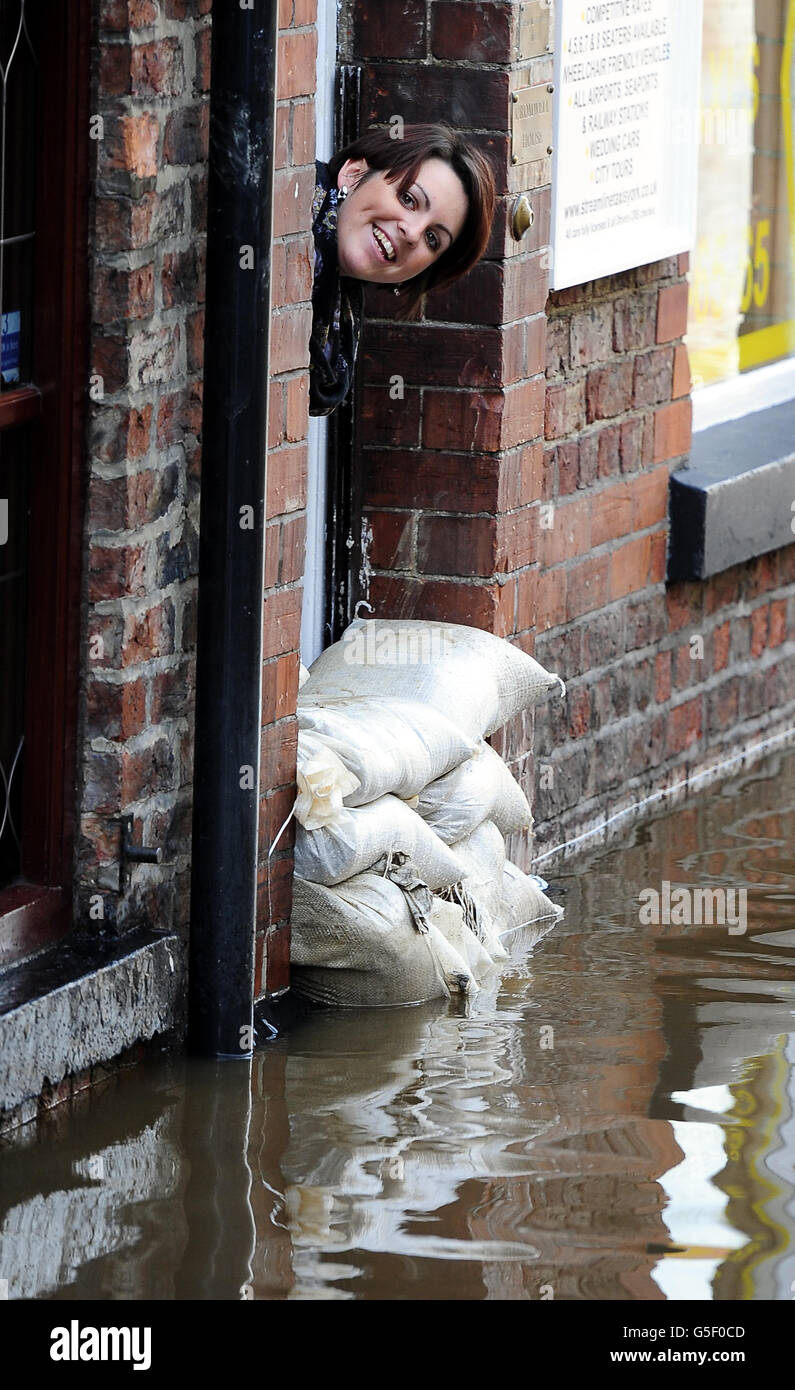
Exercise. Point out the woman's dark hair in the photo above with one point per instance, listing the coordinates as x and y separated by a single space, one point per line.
400 159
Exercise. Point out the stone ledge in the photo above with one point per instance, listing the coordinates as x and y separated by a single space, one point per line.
734 499
75 1006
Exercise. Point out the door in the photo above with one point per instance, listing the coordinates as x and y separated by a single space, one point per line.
43 196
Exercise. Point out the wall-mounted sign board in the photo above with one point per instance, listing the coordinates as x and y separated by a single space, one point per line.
626 134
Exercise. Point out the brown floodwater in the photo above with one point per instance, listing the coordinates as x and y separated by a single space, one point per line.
613 1119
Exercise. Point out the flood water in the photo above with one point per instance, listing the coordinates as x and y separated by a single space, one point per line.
615 1119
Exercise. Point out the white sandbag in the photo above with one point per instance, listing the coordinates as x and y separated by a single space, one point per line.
359 837
524 906
481 788
390 745
475 678
357 946
448 918
322 779
482 854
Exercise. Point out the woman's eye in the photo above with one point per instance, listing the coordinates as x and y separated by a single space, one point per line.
407 200
433 241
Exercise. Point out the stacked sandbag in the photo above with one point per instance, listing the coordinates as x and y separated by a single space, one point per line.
402 890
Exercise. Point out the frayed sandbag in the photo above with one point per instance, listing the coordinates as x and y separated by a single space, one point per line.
524 906
359 945
481 788
389 745
479 893
322 780
475 678
362 835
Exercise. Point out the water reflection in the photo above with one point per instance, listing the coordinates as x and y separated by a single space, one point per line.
613 1120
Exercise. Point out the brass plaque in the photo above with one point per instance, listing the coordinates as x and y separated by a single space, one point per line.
531 123
534 29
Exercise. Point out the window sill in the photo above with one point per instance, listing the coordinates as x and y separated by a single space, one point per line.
734 499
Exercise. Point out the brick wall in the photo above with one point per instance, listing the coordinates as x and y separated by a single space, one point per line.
146 241
662 679
285 537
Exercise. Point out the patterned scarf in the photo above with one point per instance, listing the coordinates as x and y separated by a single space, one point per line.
336 307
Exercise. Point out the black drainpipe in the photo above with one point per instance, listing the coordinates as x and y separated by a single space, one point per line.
232 545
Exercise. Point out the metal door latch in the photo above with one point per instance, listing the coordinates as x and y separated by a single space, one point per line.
133 854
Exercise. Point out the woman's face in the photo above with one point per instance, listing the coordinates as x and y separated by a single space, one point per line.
388 236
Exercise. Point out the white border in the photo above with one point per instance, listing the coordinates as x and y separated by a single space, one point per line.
743 395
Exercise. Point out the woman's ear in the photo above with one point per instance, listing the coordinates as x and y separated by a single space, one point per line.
351 172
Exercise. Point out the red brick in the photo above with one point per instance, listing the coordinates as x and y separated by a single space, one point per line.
437 355
194 340
673 430
474 604
587 586
440 481
203 52
662 677
609 390
629 567
118 572
470 33
611 513
290 332
551 600
630 447
295 66
649 498
287 478
391 544
303 144
297 407
723 705
657 566
186 139
525 286
653 377
672 312
591 335
278 751
569 535
146 771
526 600
453 545
681 379
282 623
564 410
292 193
114 69
505 623
279 687
683 727
304 12
281 144
277 944
376 34
461 96
173 693
608 451
388 420
721 638
285 15
778 623
130 144
149 634
517 539
634 322
292 550
759 629
179 414
722 589
183 277
157 69
469 420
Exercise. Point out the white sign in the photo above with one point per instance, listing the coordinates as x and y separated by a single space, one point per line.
626 122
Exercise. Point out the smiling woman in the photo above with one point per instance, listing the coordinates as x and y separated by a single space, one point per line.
413 213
